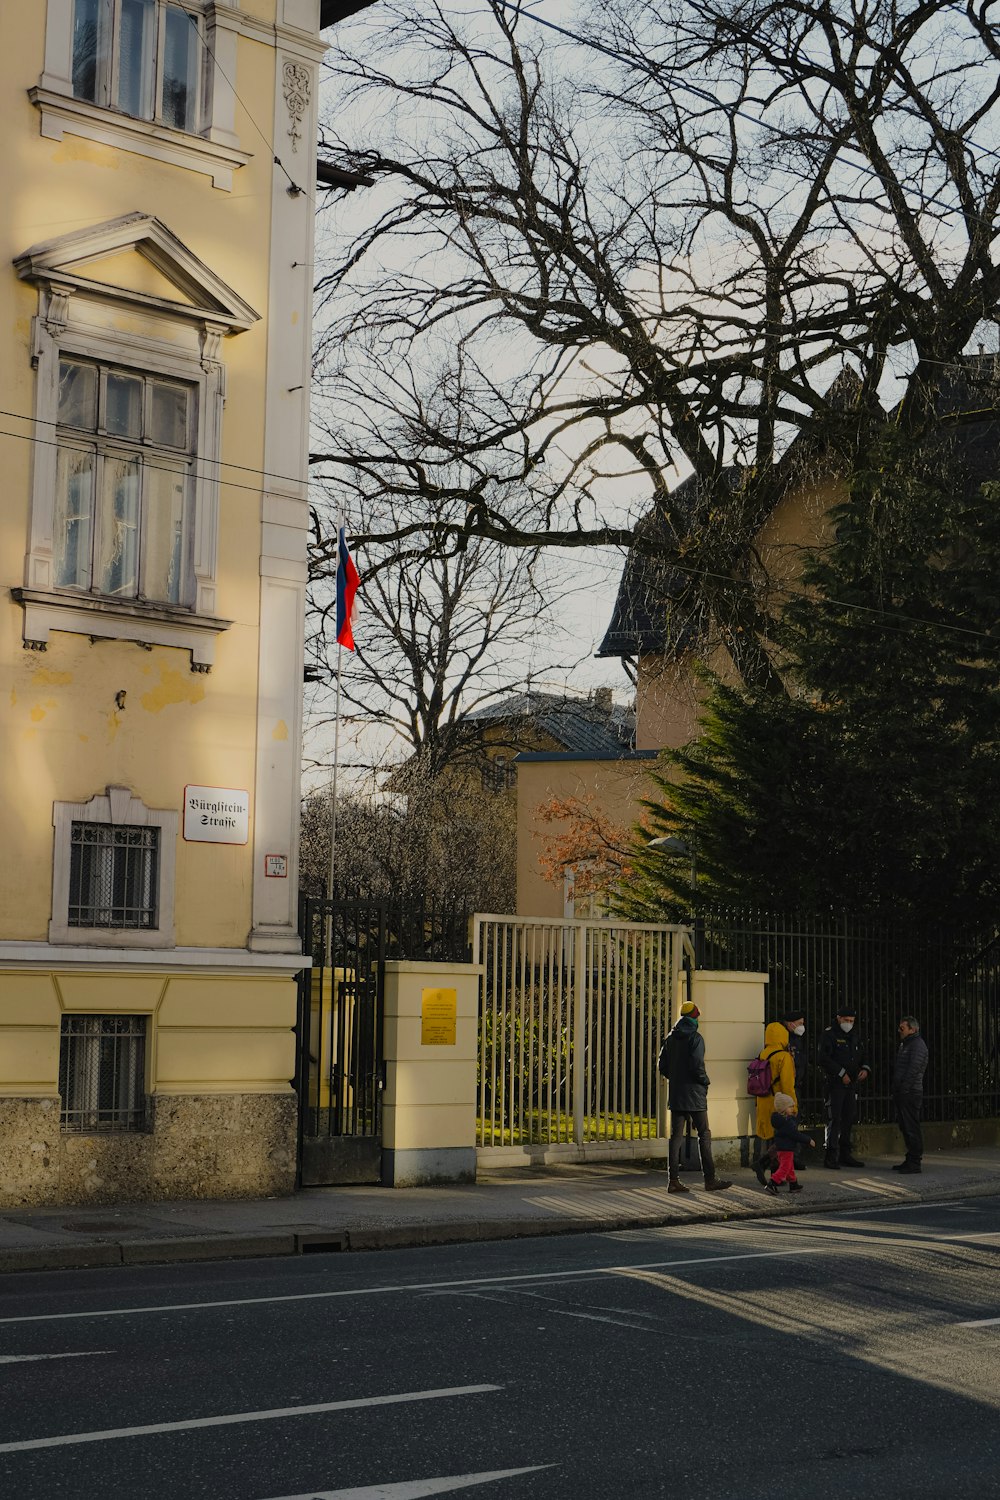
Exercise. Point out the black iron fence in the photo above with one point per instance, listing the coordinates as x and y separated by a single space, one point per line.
416 925
349 940
950 981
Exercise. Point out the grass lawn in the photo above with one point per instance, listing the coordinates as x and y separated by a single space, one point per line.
539 1128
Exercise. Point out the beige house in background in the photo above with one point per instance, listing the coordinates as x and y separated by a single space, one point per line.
156 296
662 656
610 787
661 637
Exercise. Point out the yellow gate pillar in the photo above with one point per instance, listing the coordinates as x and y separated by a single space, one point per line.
431 1049
732 1023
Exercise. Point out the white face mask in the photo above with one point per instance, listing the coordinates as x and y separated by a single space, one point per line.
799 1030
847 1025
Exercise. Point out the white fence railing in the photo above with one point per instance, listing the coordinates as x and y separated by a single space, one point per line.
572 1018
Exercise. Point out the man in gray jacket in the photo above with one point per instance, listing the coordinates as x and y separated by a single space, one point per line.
908 1091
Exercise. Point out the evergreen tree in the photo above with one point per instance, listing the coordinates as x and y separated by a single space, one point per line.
871 787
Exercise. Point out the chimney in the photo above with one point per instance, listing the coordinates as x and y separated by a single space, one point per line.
603 699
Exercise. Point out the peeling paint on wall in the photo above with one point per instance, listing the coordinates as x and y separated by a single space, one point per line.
173 687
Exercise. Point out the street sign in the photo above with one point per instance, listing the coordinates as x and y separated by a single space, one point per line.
216 815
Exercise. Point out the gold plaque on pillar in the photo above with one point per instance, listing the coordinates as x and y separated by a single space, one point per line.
438 1010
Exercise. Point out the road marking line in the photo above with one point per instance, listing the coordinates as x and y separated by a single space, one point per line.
416 1489
892 1208
960 1239
597 1318
112 1433
423 1286
979 1323
17 1359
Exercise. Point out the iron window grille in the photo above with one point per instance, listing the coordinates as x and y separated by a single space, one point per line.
113 875
102 1073
498 775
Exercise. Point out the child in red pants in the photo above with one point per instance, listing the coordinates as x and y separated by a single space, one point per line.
787 1136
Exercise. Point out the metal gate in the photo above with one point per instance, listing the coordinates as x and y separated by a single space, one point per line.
572 1018
339 1073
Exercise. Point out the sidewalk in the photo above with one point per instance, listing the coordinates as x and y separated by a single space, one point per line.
505 1204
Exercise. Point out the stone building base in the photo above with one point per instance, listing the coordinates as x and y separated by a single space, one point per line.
196 1146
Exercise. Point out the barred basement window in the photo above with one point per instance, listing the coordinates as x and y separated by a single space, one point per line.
102 1073
113 875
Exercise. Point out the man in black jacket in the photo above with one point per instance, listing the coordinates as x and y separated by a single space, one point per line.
843 1058
908 1070
682 1063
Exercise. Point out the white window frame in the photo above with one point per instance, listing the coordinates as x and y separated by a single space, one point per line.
118 806
214 149
180 341
109 64
192 628
105 446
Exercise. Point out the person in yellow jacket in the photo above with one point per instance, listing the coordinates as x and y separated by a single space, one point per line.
775 1050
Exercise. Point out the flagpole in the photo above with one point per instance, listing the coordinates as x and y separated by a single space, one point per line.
347 584
333 784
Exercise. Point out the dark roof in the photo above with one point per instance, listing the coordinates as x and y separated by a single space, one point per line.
330 176
656 610
582 726
332 11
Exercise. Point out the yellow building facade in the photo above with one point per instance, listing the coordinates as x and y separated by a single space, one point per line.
155 288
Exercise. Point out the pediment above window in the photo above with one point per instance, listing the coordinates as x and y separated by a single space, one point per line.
96 261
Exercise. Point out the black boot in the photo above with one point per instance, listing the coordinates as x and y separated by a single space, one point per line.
830 1160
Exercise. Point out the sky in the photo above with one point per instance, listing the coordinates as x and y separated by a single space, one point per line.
562 658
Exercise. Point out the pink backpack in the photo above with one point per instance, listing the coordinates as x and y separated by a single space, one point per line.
759 1080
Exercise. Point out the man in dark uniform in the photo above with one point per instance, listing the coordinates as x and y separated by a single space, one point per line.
843 1058
795 1024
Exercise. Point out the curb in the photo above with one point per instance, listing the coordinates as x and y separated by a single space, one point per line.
194 1248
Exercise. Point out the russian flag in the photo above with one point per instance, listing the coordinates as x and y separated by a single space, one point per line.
348 580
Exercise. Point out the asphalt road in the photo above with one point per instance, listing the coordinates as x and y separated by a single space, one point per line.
830 1355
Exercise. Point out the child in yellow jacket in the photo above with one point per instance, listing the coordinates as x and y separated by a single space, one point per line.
775 1050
